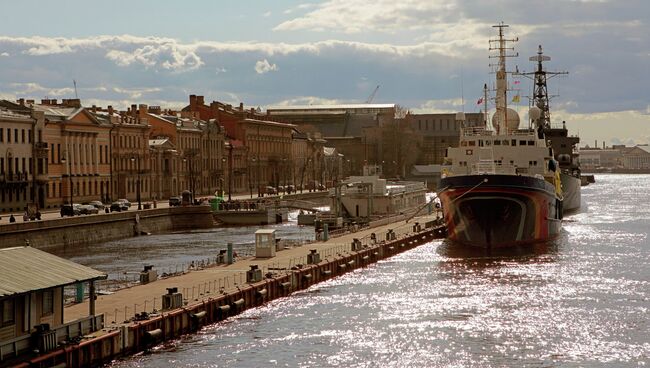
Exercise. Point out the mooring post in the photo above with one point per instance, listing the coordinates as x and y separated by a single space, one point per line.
230 253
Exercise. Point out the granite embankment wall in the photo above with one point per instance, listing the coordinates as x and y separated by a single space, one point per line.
104 227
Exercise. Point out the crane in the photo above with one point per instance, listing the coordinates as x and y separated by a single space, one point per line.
372 95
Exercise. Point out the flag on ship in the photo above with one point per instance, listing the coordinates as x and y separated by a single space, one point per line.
516 98
480 101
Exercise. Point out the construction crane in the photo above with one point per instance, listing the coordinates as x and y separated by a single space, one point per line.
372 95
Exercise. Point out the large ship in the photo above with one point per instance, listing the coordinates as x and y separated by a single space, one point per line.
501 187
564 146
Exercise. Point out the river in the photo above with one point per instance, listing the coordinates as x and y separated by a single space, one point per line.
582 300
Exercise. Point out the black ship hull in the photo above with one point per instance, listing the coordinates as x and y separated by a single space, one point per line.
498 211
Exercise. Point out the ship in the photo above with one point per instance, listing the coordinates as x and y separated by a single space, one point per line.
564 146
500 187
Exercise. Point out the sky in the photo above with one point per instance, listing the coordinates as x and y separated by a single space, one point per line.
426 55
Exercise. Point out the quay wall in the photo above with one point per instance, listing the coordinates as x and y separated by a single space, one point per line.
80 230
142 335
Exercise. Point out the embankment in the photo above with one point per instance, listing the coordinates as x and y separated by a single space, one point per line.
71 231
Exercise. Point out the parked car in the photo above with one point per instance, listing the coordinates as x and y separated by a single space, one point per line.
98 204
88 209
69 210
126 202
270 190
118 206
174 201
291 188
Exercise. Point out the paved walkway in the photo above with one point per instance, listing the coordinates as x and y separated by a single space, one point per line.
205 283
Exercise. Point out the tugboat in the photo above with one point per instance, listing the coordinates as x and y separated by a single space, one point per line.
501 188
564 146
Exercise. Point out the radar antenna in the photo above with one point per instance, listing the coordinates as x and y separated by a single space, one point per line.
540 93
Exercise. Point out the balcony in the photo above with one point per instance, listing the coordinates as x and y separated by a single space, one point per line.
14 177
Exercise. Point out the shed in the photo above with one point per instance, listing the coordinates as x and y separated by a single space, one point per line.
31 297
265 243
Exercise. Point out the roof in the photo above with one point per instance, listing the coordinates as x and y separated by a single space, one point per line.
265 231
26 269
332 107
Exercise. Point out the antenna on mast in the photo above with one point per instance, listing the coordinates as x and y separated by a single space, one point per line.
74 82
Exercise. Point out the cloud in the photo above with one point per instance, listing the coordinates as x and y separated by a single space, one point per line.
35 88
170 56
267 14
306 100
135 92
356 16
263 66
4 54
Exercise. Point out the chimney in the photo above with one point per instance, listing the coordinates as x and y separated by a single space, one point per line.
110 110
54 102
252 111
241 106
45 102
21 102
134 109
192 102
603 144
29 102
142 110
595 143
199 100
94 109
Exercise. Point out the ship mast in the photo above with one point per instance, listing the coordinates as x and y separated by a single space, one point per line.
501 99
485 105
540 95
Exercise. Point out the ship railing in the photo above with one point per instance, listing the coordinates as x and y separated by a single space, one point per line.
492 168
469 131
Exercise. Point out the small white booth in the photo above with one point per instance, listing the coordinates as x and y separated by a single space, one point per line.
265 243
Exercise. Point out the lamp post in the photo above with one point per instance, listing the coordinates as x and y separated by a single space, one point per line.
284 168
229 172
64 160
191 177
250 182
223 174
138 193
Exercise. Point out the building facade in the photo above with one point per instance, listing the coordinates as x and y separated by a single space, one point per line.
438 132
23 159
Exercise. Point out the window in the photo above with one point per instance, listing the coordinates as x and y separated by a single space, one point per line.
522 143
7 312
472 143
8 135
531 143
29 135
22 134
513 142
497 142
2 135
48 302
15 135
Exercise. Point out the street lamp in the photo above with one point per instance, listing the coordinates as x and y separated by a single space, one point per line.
185 159
138 194
250 183
64 160
229 172
223 175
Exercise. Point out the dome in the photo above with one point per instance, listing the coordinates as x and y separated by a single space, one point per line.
512 117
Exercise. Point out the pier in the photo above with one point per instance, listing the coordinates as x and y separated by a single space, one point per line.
213 294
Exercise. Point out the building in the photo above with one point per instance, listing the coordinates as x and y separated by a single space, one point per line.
353 129
32 299
438 132
636 158
23 158
597 158
267 142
